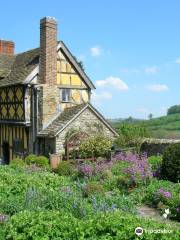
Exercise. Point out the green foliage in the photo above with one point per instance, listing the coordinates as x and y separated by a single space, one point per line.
94 147
40 161
65 168
17 162
92 188
57 225
171 163
174 109
155 162
30 159
124 183
163 194
44 205
107 174
161 127
131 136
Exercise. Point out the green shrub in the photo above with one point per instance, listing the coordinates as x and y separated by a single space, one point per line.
163 194
171 163
92 188
31 159
107 175
94 147
17 162
155 162
42 161
65 168
125 183
30 225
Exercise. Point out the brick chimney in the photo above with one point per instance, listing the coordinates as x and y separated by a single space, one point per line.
6 47
48 51
48 103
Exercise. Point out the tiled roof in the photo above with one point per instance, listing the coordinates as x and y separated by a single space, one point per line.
65 118
61 121
6 63
14 69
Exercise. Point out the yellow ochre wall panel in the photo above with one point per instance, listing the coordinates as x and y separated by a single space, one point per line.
75 80
68 74
65 79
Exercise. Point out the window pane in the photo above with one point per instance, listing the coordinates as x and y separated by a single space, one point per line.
66 94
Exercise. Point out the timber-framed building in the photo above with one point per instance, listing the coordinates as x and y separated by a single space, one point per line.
44 93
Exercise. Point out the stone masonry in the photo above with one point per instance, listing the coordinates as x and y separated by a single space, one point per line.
85 122
49 93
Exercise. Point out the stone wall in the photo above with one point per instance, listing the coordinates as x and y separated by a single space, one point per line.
49 104
85 122
156 146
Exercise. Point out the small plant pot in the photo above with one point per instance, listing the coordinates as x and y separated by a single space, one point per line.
55 159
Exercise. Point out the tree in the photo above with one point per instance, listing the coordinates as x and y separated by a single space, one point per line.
173 109
131 136
150 116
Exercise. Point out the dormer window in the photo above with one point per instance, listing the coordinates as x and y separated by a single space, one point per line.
65 95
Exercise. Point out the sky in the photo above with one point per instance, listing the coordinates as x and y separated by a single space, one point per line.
130 49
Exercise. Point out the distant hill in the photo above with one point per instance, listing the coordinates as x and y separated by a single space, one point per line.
162 127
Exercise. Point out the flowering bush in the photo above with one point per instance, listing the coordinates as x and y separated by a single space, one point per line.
93 169
95 147
163 195
85 170
139 169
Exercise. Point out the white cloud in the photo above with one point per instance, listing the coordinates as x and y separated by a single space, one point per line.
157 87
151 70
177 61
95 51
97 98
113 81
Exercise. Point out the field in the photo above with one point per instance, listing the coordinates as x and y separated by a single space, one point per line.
90 200
162 127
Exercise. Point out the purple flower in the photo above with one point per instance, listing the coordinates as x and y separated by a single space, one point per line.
178 209
164 193
139 167
86 170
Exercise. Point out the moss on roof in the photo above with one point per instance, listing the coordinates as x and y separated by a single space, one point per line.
14 69
61 121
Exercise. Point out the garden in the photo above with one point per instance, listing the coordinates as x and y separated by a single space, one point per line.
92 197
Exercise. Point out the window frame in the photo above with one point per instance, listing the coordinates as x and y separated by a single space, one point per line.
67 100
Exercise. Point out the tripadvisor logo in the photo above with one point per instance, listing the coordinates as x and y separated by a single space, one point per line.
138 231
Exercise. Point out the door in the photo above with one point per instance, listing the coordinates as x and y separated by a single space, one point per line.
5 147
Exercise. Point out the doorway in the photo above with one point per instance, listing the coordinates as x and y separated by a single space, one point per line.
5 147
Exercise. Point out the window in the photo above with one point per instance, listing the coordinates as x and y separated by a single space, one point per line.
65 95
17 146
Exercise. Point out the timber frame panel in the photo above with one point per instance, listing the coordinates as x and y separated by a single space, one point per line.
12 103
